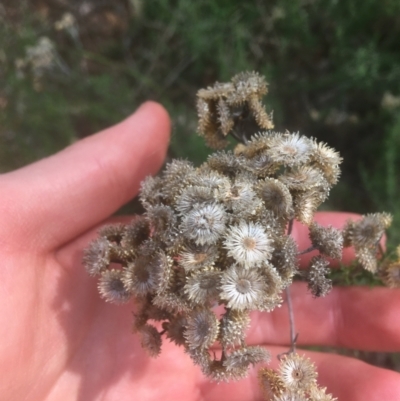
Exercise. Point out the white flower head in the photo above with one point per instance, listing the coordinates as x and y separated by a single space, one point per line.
242 288
205 224
290 149
248 244
297 372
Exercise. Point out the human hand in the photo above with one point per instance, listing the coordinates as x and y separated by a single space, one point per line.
61 341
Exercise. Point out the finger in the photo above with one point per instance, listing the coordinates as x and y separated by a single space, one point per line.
57 198
334 219
353 317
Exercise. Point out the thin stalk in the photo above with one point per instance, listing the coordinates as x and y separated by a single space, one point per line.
310 249
293 334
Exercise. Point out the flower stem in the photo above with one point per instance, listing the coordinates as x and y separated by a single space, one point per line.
293 334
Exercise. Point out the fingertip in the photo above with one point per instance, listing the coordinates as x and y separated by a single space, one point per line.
155 109
152 112
151 123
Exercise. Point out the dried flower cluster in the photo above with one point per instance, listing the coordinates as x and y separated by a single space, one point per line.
219 235
295 380
364 235
233 108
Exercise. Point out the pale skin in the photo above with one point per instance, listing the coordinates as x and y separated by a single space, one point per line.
60 341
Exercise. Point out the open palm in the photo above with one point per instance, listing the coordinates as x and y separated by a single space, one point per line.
60 341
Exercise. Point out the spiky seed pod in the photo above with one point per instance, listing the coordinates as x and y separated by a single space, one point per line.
240 198
120 254
270 382
305 205
219 373
225 163
218 90
327 160
248 244
176 328
241 358
272 224
302 178
135 233
273 281
246 84
194 257
202 328
111 287
208 125
173 302
290 149
262 118
366 232
285 258
210 179
192 197
162 220
163 268
177 175
259 144
147 274
391 274
297 372
150 340
328 240
171 297
276 197
260 165
200 357
224 261
203 287
204 224
386 219
319 394
112 232
273 287
367 257
318 283
234 324
242 288
151 191
224 117
97 256
138 279
178 171
203 114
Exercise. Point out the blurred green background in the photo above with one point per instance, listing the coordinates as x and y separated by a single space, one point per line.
69 68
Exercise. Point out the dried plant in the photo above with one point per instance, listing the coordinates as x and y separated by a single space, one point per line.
220 234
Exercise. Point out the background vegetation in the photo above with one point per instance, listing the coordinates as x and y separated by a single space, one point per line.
69 68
